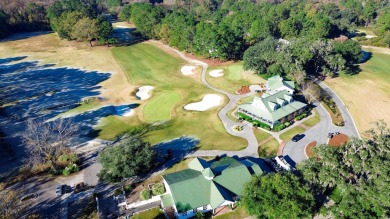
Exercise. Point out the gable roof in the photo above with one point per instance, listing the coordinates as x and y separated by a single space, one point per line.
198 164
221 181
264 107
276 82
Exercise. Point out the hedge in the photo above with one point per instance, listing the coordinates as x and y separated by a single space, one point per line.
245 117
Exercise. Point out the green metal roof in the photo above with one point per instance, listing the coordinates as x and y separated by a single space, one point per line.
208 173
234 178
167 200
265 106
198 164
276 82
192 188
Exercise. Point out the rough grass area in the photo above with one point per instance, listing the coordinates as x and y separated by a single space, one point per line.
313 120
234 77
154 213
367 94
270 148
288 135
238 212
159 108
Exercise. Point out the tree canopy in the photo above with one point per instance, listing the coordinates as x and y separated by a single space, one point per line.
131 157
359 171
278 195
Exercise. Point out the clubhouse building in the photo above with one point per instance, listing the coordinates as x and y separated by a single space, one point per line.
276 106
208 185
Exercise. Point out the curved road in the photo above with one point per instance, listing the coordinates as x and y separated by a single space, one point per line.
319 132
246 133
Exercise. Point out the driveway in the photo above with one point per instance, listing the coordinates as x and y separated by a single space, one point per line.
319 132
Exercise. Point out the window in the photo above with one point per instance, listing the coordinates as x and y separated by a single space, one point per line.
205 207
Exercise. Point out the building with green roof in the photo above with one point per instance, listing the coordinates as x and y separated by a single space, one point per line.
273 108
208 186
276 83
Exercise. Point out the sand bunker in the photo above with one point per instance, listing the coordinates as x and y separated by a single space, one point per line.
143 92
216 73
187 70
208 101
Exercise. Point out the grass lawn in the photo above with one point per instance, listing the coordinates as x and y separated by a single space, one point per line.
111 126
313 120
367 94
261 135
290 133
234 77
270 148
159 108
154 213
239 212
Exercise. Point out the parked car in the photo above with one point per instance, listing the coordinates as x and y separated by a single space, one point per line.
59 190
297 137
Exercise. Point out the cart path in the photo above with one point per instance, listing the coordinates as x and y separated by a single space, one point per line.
246 133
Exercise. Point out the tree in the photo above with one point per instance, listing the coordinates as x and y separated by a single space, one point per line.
85 29
260 56
47 142
278 195
125 13
145 195
358 170
158 189
3 25
10 205
129 158
350 50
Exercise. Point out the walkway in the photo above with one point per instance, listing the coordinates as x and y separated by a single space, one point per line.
246 133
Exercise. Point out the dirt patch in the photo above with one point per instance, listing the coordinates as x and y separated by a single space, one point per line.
338 140
308 149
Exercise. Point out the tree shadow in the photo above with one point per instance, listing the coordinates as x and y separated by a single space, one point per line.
26 35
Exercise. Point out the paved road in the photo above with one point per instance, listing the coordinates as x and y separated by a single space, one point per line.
319 133
246 133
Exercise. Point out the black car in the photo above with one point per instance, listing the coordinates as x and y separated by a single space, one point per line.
297 137
59 190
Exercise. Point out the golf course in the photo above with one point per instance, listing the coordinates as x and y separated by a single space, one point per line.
367 93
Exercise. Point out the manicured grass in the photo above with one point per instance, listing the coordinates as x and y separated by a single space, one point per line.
313 120
234 77
270 148
159 108
239 212
290 133
154 213
261 135
111 126
146 64
366 94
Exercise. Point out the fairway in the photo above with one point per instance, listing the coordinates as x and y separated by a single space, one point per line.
145 64
234 77
160 107
367 94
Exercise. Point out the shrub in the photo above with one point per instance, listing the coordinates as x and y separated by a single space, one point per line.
261 124
145 195
71 168
245 117
158 189
279 127
117 192
128 187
